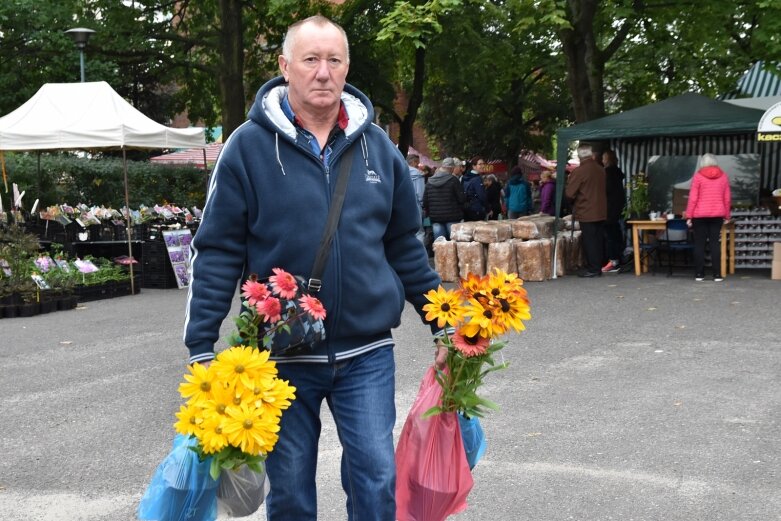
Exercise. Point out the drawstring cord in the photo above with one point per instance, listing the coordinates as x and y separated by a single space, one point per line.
276 138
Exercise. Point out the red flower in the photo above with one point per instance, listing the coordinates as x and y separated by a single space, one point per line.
283 283
254 291
312 306
270 308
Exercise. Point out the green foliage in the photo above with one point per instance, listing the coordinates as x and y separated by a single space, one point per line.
18 248
460 383
68 178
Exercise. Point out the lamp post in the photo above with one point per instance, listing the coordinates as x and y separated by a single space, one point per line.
80 35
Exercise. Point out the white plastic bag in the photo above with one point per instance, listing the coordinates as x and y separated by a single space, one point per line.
241 492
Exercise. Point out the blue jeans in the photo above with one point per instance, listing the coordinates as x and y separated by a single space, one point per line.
361 396
441 230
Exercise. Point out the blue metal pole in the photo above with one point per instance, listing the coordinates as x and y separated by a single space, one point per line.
81 59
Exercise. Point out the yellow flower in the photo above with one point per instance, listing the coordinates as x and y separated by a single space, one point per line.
511 311
212 437
222 397
445 306
198 384
250 430
190 420
274 399
243 364
484 321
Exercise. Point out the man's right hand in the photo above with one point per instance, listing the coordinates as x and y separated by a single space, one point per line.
440 356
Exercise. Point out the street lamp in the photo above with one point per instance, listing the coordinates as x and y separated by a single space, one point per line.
80 35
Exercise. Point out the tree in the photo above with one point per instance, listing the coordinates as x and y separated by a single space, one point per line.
493 89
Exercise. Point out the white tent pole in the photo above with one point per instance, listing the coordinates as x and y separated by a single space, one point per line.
127 224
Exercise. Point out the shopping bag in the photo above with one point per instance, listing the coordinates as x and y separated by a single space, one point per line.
474 439
432 473
242 491
181 488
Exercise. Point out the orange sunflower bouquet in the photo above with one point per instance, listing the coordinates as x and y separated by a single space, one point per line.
481 310
442 440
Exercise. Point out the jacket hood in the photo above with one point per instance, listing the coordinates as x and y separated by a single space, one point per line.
415 174
711 172
440 178
516 180
267 109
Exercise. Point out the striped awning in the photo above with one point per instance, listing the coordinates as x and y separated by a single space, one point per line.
761 80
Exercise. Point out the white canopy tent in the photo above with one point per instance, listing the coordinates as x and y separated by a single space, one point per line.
89 116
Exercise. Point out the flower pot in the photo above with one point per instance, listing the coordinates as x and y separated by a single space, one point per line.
47 305
28 309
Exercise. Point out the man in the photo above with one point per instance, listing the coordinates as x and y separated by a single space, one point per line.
476 201
266 207
443 198
413 160
586 189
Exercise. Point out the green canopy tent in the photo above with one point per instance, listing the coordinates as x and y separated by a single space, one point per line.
686 124
689 124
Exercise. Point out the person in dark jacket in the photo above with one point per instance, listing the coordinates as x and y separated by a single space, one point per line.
586 189
493 196
616 200
443 199
476 205
266 207
518 194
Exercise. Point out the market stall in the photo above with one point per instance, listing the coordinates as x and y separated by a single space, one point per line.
89 116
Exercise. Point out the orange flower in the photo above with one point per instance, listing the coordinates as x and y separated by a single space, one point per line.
283 283
470 345
312 306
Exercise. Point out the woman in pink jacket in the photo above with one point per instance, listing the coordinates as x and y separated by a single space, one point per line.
708 208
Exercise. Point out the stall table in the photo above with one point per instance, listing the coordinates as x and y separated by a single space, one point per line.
727 242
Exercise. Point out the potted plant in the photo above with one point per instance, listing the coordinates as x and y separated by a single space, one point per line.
18 249
639 202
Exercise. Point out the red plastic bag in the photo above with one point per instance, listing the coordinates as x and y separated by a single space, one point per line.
432 473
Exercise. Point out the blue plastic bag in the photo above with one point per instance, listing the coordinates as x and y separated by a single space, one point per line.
181 489
474 439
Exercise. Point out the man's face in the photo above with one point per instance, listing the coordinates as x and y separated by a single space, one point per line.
317 70
480 165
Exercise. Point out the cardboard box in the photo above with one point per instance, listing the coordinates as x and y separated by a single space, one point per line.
775 271
777 251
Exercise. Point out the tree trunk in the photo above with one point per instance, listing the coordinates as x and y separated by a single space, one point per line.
585 65
413 104
231 69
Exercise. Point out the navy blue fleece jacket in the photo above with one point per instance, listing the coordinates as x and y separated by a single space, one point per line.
266 207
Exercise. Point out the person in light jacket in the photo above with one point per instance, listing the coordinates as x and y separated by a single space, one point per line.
708 209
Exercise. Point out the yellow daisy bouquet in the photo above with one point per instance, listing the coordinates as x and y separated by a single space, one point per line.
479 310
233 408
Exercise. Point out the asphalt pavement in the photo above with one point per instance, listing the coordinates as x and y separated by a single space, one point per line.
627 398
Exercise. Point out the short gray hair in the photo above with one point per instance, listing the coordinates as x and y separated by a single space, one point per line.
585 152
708 160
319 20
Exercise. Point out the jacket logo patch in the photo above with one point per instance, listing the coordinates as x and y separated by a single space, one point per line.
373 177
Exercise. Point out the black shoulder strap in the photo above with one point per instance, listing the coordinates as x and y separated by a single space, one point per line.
345 167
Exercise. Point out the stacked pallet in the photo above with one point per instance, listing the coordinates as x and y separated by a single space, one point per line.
524 246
